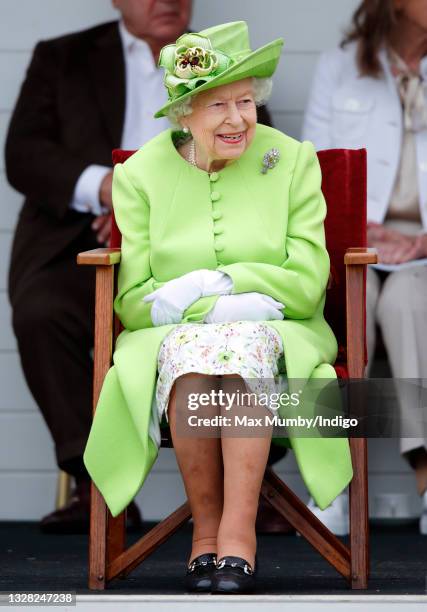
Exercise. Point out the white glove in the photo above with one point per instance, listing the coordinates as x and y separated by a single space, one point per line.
251 306
176 295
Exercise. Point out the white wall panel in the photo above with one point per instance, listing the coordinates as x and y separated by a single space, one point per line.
23 22
5 245
15 395
290 90
22 433
10 204
7 338
290 123
4 122
13 65
306 25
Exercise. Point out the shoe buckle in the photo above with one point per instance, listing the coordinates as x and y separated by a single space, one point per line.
246 568
196 563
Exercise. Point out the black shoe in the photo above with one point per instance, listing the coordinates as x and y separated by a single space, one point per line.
269 520
199 573
234 575
74 517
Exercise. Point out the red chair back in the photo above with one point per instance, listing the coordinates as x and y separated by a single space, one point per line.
344 188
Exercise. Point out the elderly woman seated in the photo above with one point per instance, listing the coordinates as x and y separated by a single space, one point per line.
221 285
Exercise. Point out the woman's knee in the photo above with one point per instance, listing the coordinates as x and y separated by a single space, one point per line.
190 383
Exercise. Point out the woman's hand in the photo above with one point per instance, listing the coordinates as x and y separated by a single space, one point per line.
393 246
176 295
251 306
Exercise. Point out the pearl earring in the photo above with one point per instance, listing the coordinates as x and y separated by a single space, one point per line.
186 130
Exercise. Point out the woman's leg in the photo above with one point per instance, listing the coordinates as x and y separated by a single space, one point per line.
402 316
245 460
200 462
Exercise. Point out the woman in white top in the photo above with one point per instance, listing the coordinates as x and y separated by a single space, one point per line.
371 92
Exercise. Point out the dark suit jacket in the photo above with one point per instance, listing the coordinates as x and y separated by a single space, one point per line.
69 114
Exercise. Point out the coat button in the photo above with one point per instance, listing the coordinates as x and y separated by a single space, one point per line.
216 214
218 229
213 177
215 195
219 245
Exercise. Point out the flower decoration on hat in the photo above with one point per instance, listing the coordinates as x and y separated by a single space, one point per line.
191 62
194 61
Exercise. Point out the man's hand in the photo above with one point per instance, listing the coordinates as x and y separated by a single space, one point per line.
105 191
102 225
395 247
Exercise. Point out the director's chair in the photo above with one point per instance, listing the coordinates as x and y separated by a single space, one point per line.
344 188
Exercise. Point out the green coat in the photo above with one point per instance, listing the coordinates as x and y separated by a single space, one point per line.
265 231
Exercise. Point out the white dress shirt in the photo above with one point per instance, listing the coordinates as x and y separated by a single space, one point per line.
145 94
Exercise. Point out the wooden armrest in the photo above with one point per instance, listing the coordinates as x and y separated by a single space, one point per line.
356 260
360 256
99 257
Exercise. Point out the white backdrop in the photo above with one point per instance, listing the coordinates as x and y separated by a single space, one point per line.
27 468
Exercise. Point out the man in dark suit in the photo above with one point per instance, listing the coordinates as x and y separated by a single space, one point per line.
84 94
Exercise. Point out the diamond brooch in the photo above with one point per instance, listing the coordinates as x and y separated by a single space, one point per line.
271 159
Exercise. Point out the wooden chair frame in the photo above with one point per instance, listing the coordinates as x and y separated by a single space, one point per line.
109 557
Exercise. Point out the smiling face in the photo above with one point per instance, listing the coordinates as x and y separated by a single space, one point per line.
160 20
223 121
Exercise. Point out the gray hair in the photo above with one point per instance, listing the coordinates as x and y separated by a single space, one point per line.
261 87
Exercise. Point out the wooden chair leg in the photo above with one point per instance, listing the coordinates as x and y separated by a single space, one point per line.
359 515
116 537
97 540
103 540
356 261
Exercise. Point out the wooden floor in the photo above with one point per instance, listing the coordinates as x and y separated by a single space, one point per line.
30 560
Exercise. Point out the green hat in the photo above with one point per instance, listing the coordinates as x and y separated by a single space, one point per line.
213 57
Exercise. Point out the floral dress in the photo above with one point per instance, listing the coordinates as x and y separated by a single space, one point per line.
252 349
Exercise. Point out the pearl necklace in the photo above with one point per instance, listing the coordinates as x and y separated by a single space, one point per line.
191 157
